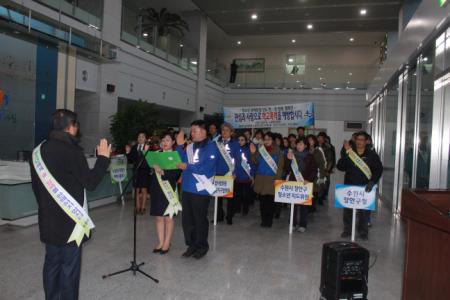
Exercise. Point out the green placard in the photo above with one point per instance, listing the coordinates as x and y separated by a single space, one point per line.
165 160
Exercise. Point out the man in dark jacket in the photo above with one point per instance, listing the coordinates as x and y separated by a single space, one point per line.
355 176
65 161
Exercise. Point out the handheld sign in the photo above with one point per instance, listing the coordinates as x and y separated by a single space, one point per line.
293 192
118 169
354 197
224 188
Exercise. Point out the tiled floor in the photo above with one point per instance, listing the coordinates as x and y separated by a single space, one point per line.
245 261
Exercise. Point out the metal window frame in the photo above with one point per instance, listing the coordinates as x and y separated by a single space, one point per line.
417 121
400 142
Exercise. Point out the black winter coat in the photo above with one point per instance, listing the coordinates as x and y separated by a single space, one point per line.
353 175
66 162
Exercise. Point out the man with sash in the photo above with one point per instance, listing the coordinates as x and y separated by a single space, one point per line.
362 166
213 133
229 155
59 176
199 167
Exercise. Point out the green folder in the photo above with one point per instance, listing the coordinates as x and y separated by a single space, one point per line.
165 160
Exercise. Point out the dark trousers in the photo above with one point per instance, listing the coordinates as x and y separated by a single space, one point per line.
221 211
267 207
362 220
61 273
195 220
301 215
242 197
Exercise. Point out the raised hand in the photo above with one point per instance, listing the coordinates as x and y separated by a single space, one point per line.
252 148
180 138
103 148
347 145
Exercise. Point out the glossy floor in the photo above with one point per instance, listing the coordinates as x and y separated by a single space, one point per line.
245 261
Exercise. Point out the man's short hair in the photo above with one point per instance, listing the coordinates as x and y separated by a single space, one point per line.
301 127
362 133
226 125
199 123
62 119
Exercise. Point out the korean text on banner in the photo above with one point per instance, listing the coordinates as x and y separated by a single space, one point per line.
354 197
293 192
118 169
224 186
287 115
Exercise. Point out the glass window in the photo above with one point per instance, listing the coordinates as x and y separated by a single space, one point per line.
425 119
410 127
89 12
390 141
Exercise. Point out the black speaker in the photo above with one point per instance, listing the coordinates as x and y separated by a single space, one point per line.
110 88
345 270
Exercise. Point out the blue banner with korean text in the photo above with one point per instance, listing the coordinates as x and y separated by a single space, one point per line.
286 115
354 196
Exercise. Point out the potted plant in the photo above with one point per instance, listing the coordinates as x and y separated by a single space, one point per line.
164 23
130 119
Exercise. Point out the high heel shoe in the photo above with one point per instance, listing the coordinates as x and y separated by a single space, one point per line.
163 252
157 250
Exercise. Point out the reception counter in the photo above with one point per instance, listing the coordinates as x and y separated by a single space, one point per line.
16 195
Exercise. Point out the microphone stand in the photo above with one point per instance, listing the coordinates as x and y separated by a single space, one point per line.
135 267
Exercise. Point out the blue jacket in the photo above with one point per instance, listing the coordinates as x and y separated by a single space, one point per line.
232 147
262 167
241 175
205 161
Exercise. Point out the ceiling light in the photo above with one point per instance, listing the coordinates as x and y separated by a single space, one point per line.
181 45
319 69
290 60
363 12
145 34
310 26
293 41
352 39
350 74
254 16
194 62
425 59
238 42
298 81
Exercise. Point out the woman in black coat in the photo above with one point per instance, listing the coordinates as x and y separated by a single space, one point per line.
159 202
142 179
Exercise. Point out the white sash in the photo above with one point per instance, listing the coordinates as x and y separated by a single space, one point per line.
174 205
298 175
204 183
268 159
246 166
323 155
79 214
226 156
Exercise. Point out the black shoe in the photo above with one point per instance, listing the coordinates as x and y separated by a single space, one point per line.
229 221
345 234
189 252
162 252
364 236
200 253
276 216
156 250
